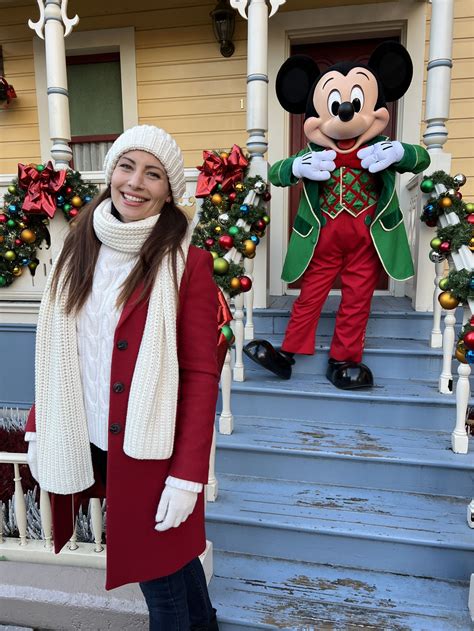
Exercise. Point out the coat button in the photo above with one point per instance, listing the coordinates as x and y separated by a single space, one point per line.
122 345
115 428
118 387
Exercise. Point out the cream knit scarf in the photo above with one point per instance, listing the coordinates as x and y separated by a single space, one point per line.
64 456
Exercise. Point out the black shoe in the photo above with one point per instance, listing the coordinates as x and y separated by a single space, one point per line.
265 355
349 375
212 626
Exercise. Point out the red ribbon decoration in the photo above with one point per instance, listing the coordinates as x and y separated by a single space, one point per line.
224 316
41 187
217 170
7 92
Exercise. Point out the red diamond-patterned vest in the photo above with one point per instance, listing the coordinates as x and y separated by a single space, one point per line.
349 188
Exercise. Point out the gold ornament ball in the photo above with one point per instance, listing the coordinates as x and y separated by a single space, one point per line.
21 224
239 187
9 255
446 202
447 300
76 201
16 271
2 238
217 229
235 283
224 155
28 236
12 189
249 247
216 199
471 244
460 354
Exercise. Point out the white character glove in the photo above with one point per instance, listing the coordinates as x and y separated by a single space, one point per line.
381 155
32 457
315 165
174 507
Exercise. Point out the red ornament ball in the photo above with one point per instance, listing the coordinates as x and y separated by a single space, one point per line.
458 194
68 190
266 197
260 224
232 196
431 223
226 241
73 212
470 219
245 283
468 340
209 243
445 246
17 241
3 218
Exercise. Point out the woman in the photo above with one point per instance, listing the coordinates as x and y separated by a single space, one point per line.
127 379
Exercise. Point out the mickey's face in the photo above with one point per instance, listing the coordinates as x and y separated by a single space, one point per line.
346 115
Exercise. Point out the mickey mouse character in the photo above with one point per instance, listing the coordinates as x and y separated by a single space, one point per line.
349 220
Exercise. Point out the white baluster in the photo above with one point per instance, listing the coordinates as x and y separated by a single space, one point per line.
211 486
96 523
2 513
46 519
446 377
20 506
239 374
248 298
436 334
226 419
459 437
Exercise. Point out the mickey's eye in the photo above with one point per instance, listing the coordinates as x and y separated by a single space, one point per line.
357 98
334 102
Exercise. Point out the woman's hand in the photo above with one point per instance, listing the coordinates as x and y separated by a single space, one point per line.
174 507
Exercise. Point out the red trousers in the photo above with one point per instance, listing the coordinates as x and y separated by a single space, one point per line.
345 246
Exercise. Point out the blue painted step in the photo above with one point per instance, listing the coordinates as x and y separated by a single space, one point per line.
387 531
397 459
255 592
387 358
412 403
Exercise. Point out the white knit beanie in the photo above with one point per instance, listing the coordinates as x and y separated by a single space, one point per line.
157 142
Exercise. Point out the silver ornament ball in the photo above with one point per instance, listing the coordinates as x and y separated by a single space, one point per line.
436 257
224 219
460 179
259 187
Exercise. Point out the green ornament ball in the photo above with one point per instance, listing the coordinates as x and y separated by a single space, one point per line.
435 243
11 223
67 207
427 185
9 255
444 284
221 266
3 281
40 167
228 333
234 231
12 189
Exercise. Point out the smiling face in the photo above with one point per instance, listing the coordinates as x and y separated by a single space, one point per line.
139 186
345 105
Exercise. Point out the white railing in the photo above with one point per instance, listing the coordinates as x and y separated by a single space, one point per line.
25 548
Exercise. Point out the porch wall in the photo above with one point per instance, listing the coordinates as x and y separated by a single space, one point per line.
461 116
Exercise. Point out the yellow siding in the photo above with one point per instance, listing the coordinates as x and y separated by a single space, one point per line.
461 118
19 135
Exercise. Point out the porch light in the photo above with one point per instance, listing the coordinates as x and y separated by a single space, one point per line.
223 23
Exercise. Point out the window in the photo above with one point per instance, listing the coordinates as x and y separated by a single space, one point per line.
95 106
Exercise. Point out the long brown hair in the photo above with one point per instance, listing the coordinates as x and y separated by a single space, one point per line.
78 258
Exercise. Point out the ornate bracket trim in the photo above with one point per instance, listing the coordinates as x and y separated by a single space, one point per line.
39 25
241 5
69 23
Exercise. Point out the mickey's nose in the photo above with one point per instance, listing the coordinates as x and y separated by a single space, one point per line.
346 111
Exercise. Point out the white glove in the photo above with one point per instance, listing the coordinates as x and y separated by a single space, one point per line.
174 507
315 165
381 155
33 459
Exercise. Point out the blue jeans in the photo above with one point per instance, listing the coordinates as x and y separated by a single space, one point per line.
180 601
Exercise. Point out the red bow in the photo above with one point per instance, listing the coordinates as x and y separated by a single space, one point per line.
216 170
41 187
224 316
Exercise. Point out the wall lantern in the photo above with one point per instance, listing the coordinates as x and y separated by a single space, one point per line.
223 22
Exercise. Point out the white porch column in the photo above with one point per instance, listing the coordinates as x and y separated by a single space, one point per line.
257 115
438 92
53 26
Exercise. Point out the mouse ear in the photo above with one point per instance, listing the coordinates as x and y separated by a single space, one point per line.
294 81
392 64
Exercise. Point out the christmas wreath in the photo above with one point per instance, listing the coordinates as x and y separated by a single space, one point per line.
30 202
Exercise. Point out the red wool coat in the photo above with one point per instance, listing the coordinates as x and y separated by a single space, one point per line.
135 550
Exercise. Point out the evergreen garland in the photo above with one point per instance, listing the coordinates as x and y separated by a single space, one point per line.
23 232
460 284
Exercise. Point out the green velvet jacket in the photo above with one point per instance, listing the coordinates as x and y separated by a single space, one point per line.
387 228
